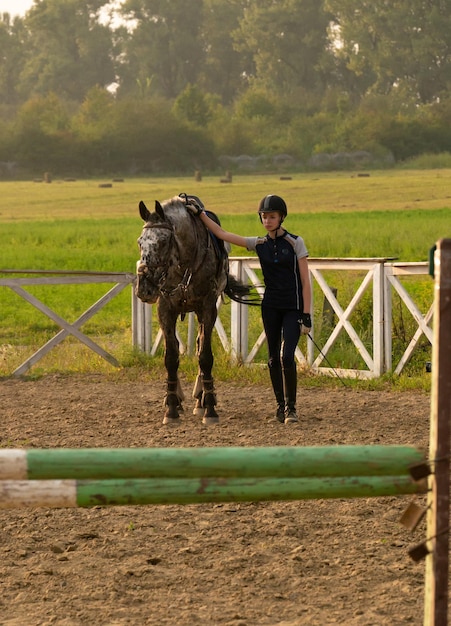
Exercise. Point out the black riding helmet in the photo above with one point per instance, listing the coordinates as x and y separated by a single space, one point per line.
270 203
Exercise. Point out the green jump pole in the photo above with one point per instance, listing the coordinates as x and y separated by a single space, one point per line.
141 491
242 462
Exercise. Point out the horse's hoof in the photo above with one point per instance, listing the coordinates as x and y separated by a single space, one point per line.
210 421
171 421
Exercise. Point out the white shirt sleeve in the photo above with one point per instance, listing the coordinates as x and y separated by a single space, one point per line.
299 248
251 243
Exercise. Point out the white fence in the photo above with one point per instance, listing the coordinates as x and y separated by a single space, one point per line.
46 278
379 274
379 277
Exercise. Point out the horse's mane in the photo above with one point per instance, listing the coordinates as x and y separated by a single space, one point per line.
178 204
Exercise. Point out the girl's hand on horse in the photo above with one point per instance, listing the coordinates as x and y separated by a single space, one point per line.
195 209
193 204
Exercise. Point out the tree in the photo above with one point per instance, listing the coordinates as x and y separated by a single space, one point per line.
288 41
149 138
42 135
225 70
400 46
13 42
164 46
95 117
69 51
193 106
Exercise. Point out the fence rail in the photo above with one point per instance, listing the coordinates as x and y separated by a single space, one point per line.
380 278
42 277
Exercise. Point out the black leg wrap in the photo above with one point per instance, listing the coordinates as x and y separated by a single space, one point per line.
208 395
172 397
208 403
173 403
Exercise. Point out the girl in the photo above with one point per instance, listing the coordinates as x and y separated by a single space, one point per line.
287 299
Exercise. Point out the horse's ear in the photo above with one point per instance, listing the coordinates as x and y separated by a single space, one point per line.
159 210
144 211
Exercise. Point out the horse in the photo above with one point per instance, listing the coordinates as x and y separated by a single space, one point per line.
184 268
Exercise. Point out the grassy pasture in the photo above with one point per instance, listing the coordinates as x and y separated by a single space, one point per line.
79 225
343 192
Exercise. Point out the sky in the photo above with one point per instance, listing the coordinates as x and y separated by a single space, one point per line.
15 7
20 7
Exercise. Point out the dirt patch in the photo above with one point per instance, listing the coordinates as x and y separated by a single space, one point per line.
310 562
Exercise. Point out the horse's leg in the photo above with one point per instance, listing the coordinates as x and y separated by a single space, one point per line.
204 388
174 395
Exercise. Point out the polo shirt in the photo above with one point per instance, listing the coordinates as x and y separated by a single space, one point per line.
279 262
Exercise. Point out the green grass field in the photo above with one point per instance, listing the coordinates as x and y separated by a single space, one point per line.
80 225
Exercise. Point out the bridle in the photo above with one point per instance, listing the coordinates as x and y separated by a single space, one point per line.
181 289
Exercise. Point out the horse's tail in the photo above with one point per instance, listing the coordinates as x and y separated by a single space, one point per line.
240 292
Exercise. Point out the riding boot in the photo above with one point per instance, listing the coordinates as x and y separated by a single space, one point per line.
275 373
290 380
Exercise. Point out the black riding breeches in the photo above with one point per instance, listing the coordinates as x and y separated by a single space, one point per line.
281 326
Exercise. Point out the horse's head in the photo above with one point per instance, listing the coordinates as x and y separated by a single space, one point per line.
155 245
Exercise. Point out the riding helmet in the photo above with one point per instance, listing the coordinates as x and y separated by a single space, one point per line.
272 202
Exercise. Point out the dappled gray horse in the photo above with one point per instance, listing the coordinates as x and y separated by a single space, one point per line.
183 268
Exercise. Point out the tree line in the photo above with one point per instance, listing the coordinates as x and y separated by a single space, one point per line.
170 85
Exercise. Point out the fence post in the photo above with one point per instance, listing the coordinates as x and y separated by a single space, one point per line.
238 319
141 324
388 320
437 560
378 319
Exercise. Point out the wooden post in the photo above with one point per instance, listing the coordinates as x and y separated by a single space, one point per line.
437 561
191 340
378 319
388 319
238 320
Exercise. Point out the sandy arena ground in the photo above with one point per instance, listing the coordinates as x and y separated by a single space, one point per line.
280 564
